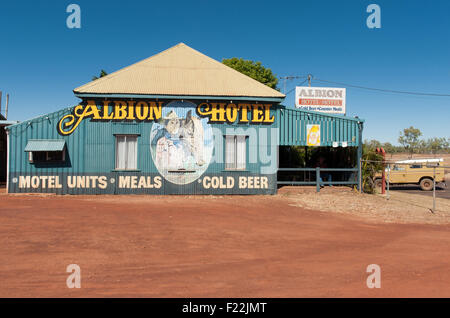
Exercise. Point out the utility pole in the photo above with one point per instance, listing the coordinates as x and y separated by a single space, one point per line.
285 78
6 107
0 102
309 80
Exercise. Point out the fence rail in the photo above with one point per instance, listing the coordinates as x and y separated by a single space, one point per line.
318 181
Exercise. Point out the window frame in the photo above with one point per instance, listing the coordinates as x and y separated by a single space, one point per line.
235 159
31 158
116 168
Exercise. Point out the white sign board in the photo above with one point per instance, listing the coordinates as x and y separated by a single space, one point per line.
321 99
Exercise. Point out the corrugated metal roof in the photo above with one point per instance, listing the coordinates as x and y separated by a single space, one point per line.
45 145
293 125
179 70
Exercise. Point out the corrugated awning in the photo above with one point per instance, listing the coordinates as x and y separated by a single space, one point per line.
45 145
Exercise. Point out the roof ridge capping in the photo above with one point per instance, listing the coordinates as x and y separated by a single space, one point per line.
146 78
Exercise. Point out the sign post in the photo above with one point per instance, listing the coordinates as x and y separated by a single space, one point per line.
360 176
434 189
389 173
434 185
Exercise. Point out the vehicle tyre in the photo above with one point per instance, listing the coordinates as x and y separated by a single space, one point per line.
426 184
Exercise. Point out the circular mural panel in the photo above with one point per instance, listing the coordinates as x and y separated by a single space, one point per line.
181 143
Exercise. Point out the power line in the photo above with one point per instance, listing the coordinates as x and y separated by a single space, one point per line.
383 90
296 87
285 78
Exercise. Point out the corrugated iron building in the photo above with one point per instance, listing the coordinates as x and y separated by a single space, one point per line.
176 123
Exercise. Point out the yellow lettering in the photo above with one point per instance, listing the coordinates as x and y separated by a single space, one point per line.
130 110
244 108
267 118
231 113
120 110
257 114
105 115
215 111
89 110
155 111
141 110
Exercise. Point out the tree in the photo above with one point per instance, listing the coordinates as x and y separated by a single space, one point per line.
371 165
372 144
389 148
409 139
422 146
102 73
253 69
434 145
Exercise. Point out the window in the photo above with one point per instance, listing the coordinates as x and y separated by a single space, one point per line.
47 156
126 152
415 166
235 152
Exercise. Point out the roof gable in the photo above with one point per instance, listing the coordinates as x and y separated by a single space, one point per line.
179 70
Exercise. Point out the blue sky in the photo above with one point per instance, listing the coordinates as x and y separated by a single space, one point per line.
42 61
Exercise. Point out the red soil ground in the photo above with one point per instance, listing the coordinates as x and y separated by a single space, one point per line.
180 246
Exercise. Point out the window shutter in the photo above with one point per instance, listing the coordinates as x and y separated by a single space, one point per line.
131 152
120 152
230 153
241 150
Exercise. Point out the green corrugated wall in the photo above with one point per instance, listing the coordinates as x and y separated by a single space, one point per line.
293 124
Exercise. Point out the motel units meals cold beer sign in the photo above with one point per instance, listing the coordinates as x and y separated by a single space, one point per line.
321 99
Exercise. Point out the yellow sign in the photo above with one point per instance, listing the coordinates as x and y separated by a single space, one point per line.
121 111
152 110
313 135
223 112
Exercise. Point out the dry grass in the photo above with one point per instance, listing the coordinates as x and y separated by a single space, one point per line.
400 208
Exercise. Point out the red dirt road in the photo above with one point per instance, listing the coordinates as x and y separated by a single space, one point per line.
180 246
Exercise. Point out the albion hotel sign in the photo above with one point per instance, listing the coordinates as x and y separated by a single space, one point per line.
151 111
322 99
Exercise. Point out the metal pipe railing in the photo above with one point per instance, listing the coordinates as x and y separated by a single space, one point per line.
317 182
